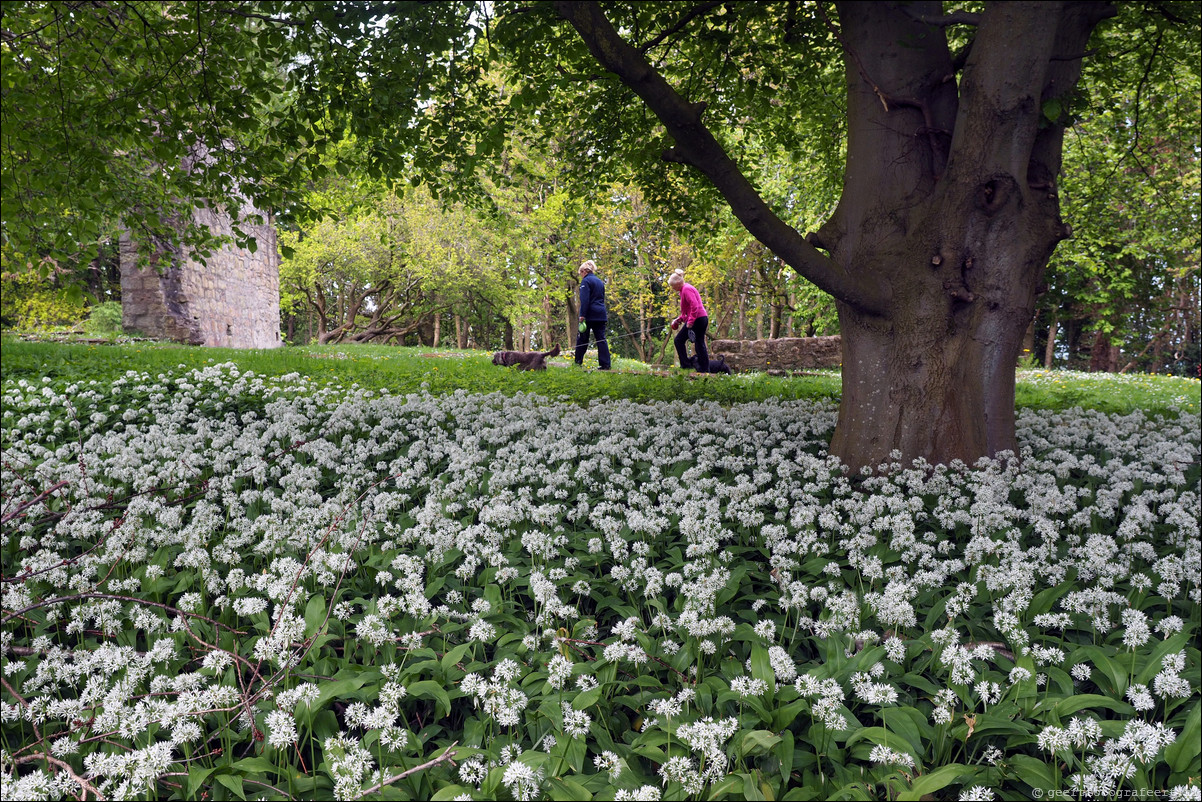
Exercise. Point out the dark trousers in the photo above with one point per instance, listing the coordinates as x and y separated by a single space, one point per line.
597 327
702 363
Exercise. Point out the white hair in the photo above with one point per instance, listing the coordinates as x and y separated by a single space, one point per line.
589 267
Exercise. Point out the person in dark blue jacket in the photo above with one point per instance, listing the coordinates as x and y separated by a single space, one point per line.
592 315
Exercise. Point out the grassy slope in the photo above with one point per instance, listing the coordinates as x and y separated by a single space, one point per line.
404 370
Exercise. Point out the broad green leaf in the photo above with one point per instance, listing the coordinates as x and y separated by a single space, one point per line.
1188 745
234 784
586 699
315 613
937 780
567 790
429 689
196 777
1066 707
757 742
1034 772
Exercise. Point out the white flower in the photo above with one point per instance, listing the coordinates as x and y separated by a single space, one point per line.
522 781
281 729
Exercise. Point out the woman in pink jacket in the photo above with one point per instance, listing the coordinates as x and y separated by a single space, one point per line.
695 319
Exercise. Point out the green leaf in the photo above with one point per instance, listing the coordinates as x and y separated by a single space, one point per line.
196 778
1066 707
255 765
757 742
315 614
1034 772
1104 662
454 656
784 715
882 736
566 790
340 687
761 668
1153 664
234 784
937 780
1188 745
429 689
727 785
586 699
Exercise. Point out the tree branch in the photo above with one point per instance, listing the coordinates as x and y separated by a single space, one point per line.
690 15
696 146
944 20
448 755
87 787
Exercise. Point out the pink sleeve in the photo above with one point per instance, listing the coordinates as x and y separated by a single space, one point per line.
690 305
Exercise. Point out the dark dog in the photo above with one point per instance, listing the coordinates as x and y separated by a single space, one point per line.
717 365
525 360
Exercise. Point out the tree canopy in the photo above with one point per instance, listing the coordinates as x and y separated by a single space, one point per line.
905 158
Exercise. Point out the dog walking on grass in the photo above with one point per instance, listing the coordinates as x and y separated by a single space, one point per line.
525 360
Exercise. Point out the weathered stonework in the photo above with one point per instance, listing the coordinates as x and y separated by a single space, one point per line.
233 301
785 353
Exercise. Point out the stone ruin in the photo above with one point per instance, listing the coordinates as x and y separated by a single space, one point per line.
781 355
233 301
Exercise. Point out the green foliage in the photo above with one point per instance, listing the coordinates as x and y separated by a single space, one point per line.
1131 191
31 302
104 319
135 112
446 371
331 572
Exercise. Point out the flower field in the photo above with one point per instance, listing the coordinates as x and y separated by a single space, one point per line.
220 585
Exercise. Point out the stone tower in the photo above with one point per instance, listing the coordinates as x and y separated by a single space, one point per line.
232 302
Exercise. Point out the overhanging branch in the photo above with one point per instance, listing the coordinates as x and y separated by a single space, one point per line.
696 146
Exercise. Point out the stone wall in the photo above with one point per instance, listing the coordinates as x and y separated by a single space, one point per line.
233 301
785 353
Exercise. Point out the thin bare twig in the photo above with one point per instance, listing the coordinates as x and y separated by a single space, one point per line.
8 516
87 787
448 755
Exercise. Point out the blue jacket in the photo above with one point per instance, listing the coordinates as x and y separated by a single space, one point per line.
592 298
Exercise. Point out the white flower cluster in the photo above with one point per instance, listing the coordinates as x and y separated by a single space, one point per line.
235 498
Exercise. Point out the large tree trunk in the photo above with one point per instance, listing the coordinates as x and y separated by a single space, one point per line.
948 216
962 230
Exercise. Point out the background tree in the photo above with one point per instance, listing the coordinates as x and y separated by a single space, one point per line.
1124 291
948 210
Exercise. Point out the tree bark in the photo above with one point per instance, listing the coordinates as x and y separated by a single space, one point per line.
948 215
1049 351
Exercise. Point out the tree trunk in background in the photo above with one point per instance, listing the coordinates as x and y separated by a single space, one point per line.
460 331
1104 355
1049 351
508 336
948 215
743 314
1028 351
572 315
437 327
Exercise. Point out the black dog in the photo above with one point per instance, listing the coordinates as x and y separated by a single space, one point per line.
525 360
716 365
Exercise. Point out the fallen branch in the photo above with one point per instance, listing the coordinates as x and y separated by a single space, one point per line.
448 755
8 516
87 787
